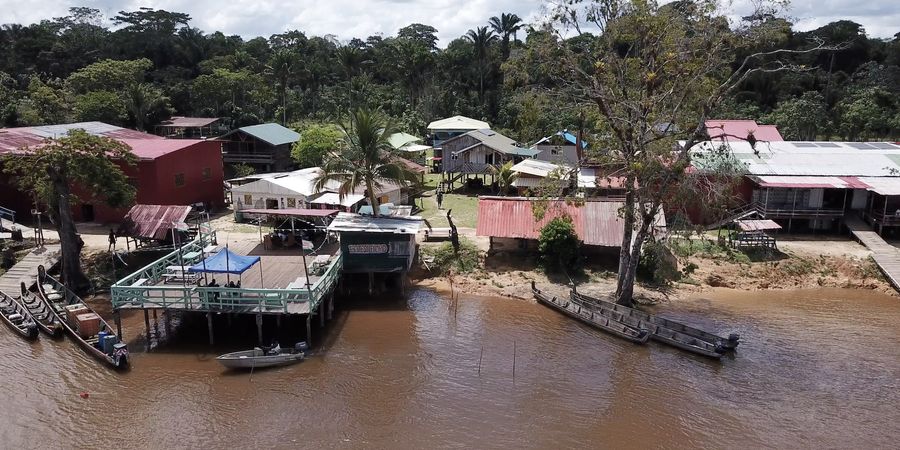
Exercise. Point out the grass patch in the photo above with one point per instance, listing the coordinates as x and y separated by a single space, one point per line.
465 210
684 248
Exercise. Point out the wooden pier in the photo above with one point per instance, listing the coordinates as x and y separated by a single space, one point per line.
25 271
277 285
886 256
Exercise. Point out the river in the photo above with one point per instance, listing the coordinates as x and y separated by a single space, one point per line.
817 368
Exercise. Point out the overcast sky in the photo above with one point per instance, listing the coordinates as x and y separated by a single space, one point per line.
362 18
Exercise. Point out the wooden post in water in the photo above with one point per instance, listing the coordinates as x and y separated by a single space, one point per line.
209 326
514 360
259 323
147 327
309 329
480 358
330 305
118 318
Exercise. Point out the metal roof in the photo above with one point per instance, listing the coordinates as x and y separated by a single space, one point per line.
596 222
882 185
188 122
803 182
271 133
355 222
739 130
757 224
398 140
568 137
837 159
143 145
333 198
152 221
496 141
300 212
457 123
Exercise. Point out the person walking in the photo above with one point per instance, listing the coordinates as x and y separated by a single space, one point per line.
112 240
440 198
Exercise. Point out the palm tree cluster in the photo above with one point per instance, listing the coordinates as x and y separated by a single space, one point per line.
482 38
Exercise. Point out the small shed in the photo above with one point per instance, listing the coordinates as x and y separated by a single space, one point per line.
376 244
753 233
189 127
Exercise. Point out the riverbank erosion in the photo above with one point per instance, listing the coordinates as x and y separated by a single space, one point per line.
702 266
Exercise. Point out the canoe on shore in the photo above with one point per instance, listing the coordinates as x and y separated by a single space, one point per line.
603 323
43 315
81 322
670 326
259 358
17 317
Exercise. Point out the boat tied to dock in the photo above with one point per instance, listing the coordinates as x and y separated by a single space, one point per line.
17 317
81 322
43 316
259 358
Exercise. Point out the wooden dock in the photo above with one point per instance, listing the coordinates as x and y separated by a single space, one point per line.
26 269
886 256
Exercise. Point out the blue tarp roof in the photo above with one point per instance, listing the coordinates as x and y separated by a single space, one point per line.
225 262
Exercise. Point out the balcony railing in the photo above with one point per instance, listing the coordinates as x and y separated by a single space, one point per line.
790 211
879 218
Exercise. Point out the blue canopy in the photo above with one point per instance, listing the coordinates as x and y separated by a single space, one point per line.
225 262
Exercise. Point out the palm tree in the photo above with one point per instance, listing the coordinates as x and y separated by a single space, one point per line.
505 177
481 38
143 100
504 26
281 67
367 160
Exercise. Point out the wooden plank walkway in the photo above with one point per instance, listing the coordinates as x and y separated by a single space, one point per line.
26 269
886 256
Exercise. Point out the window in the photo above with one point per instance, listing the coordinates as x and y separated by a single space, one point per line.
454 156
400 248
383 199
291 203
555 151
207 174
248 199
179 179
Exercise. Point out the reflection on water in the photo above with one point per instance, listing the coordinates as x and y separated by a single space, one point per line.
815 368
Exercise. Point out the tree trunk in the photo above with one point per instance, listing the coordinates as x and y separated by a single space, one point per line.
628 272
70 244
373 199
625 248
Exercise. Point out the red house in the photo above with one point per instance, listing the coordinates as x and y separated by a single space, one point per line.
168 171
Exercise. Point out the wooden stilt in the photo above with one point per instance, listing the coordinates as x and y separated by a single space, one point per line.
167 323
278 321
117 316
209 326
259 323
330 306
147 327
309 330
371 282
321 314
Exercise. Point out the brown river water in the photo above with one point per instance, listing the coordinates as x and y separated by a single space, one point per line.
818 368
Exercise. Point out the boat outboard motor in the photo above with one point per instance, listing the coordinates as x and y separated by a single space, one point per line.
733 341
301 346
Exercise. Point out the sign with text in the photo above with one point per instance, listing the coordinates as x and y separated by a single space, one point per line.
367 249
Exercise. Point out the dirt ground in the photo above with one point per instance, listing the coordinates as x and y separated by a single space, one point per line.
803 263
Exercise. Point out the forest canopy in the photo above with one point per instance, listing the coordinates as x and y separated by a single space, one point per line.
152 64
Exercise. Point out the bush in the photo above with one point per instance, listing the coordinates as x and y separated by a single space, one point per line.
658 264
559 245
468 260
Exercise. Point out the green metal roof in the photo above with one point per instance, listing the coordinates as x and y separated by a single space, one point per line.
272 133
398 140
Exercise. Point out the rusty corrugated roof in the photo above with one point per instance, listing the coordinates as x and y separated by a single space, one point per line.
596 222
152 221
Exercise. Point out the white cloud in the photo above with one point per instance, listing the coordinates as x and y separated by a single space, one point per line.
354 18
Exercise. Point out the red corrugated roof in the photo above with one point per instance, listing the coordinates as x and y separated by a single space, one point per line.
188 122
596 222
152 221
736 130
154 148
143 145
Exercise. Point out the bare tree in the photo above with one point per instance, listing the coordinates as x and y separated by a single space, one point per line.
655 72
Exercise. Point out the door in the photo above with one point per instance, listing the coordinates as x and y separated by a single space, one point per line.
815 198
87 213
859 199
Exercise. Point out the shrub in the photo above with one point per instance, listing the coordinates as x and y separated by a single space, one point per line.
468 259
559 245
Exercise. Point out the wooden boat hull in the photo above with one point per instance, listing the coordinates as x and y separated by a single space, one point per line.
662 334
250 359
17 317
727 344
638 336
119 360
43 315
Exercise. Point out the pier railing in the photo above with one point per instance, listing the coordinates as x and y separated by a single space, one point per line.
139 290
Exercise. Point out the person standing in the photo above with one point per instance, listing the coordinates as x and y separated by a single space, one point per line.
440 198
112 240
